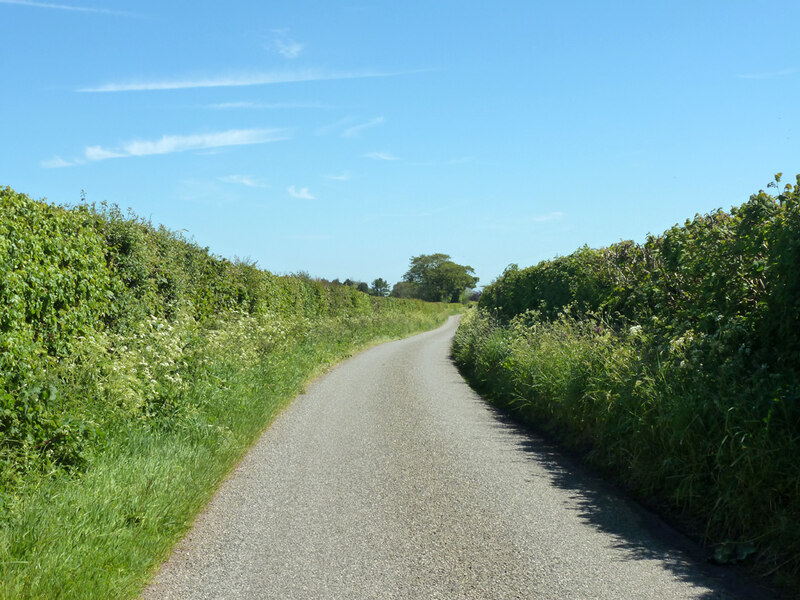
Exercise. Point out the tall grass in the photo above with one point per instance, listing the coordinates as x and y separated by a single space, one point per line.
721 456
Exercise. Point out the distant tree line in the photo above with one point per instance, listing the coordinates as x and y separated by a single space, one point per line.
430 277
379 287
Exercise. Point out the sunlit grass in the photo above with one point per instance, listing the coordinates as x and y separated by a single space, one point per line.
101 532
675 434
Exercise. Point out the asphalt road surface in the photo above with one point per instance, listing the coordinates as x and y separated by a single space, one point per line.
390 478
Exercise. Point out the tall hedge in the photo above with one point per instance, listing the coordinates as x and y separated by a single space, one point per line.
732 276
71 277
675 364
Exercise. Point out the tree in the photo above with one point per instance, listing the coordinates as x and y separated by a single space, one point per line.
361 286
436 278
380 287
421 266
405 289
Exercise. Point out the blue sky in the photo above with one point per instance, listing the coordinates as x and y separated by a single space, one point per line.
342 138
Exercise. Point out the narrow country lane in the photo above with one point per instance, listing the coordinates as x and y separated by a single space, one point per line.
390 478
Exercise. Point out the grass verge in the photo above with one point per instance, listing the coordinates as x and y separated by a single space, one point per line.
713 452
100 532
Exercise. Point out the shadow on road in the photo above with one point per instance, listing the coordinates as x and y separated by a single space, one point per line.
641 534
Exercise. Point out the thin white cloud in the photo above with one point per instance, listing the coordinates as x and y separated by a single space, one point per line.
302 193
286 46
333 127
168 144
348 127
57 163
95 153
768 74
289 48
356 130
65 7
239 80
245 180
340 177
380 156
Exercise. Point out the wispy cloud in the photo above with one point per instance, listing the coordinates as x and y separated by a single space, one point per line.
356 130
286 46
348 127
169 144
70 7
334 127
289 48
246 180
768 74
57 163
95 153
340 177
302 193
380 156
245 105
234 80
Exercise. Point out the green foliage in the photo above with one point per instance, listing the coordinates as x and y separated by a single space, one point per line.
93 287
186 403
54 289
675 364
405 289
380 287
435 278
135 369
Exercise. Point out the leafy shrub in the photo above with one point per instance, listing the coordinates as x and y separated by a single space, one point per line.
54 288
103 317
675 364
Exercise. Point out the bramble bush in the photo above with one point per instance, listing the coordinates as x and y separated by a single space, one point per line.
674 364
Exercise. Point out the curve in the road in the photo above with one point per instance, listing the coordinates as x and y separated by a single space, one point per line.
390 478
